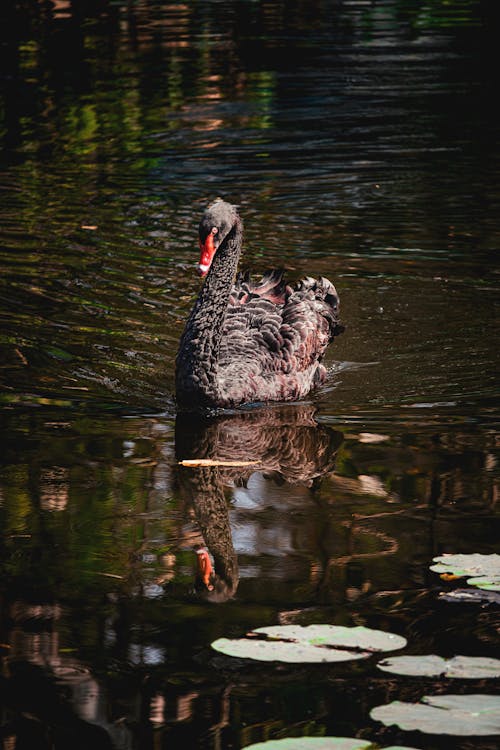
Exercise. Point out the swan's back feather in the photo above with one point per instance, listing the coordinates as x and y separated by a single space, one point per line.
274 337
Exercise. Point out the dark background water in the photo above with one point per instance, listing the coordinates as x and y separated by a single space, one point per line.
360 143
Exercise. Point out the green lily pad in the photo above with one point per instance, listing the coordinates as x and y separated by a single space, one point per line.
312 743
319 743
309 644
430 665
482 571
460 715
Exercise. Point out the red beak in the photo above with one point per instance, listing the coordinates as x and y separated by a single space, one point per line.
207 253
205 568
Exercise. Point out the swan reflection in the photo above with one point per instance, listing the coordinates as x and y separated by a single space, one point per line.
262 457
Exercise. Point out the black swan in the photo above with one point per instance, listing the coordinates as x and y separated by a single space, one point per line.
245 341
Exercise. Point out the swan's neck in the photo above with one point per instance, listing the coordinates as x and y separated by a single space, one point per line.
197 360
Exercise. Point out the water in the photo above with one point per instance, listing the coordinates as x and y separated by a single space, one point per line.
359 142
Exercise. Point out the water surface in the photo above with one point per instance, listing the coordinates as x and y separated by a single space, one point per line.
358 141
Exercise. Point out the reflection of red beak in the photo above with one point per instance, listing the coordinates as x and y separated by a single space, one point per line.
205 567
207 253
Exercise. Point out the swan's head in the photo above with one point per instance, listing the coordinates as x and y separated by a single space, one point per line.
216 223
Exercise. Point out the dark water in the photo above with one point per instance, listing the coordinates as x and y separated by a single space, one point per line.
358 139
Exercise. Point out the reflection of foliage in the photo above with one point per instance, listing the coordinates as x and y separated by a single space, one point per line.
74 521
410 469
446 14
105 112
419 15
102 106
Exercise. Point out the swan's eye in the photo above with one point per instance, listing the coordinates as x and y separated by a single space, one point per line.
214 230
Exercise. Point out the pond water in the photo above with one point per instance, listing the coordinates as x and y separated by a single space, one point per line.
358 140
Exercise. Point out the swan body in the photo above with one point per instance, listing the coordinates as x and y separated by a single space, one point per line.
247 341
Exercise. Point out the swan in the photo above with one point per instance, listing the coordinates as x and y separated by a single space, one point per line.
247 341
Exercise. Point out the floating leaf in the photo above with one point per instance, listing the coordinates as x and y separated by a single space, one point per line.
482 571
337 635
313 643
312 743
460 667
444 714
319 743
473 667
245 648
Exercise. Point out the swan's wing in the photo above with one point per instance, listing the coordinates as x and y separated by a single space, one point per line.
274 330
272 287
310 321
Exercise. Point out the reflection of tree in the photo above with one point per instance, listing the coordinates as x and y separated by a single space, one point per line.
91 521
74 515
48 693
285 443
93 108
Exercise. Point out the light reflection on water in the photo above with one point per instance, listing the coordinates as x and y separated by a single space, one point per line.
357 141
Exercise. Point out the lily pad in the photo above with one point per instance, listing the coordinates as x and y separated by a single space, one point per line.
460 667
461 715
312 743
482 571
309 644
358 637
319 743
470 596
